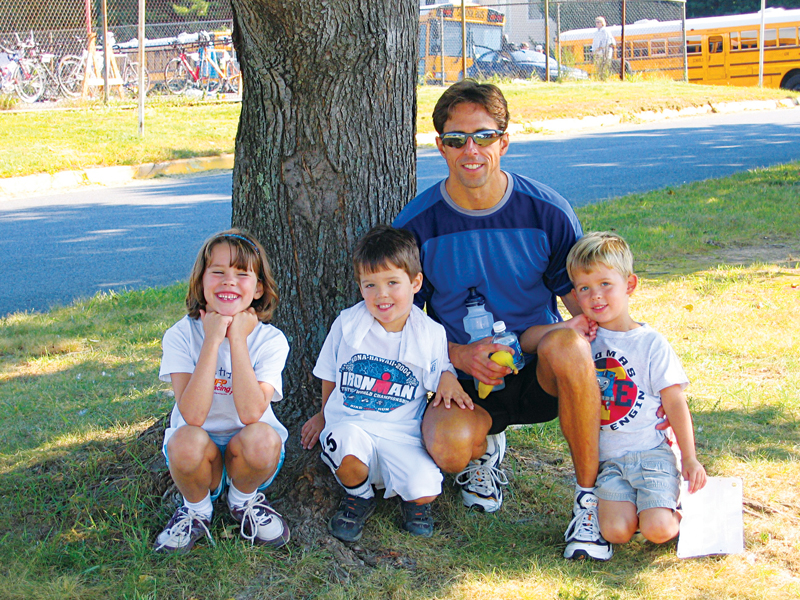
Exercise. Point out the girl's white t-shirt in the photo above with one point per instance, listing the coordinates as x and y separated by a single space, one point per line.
268 349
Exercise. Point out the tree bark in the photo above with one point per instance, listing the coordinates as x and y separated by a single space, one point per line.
325 149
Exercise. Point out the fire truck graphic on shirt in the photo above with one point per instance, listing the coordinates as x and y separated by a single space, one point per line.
374 383
619 396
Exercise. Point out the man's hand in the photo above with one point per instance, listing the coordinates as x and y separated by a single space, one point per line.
474 359
662 414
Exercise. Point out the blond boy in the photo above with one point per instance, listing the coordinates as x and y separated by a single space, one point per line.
638 372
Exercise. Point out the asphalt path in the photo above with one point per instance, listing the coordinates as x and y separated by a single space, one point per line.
60 247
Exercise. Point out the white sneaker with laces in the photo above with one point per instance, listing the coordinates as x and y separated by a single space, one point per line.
583 534
481 481
183 530
261 524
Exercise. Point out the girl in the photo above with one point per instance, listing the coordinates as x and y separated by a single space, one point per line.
225 363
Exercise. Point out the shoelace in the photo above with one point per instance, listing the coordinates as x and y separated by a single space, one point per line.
482 478
254 517
182 528
586 528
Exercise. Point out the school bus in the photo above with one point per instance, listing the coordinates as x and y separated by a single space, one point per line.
719 50
440 38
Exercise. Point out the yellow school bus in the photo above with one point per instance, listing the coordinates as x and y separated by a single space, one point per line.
719 50
440 38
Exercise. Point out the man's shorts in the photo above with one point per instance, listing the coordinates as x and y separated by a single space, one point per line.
521 402
402 469
648 479
222 443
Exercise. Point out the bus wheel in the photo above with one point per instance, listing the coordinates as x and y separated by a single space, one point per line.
793 83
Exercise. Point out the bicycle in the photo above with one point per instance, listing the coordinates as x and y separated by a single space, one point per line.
201 70
72 71
24 75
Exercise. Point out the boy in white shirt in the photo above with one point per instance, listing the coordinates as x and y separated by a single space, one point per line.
379 361
639 480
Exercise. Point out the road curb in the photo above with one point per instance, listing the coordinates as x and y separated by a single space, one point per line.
32 185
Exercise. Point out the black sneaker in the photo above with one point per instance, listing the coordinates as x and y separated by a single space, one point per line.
347 523
261 524
417 518
183 530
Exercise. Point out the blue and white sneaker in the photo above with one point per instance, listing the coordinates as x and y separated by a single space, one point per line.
183 530
261 524
481 482
583 534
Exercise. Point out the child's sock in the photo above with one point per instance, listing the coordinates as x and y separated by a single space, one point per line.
237 498
203 509
362 490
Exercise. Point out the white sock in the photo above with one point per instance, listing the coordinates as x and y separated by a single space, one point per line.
362 490
237 498
203 509
579 489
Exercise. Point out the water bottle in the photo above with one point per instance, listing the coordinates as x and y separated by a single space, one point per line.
478 322
507 338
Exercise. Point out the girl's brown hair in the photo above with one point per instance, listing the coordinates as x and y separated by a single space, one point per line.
246 254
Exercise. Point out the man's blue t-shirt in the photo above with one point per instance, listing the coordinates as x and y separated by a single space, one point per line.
514 254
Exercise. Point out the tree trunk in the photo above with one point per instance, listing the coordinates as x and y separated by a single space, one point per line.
325 149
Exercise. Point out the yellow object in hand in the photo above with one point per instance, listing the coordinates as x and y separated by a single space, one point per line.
502 358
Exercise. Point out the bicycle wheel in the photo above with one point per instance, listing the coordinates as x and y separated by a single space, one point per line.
70 75
234 78
176 76
30 81
208 82
131 79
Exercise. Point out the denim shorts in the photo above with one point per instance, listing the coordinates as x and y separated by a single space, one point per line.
648 479
222 444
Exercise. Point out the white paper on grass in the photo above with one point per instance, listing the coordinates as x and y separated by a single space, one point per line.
712 519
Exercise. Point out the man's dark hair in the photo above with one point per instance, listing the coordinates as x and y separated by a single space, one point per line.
469 91
384 247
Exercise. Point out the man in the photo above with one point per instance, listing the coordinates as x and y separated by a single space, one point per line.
603 45
507 236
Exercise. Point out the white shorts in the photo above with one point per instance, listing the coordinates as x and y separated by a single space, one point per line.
404 470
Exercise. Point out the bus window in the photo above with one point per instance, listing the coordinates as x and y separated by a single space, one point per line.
770 38
423 40
640 49
675 46
787 36
658 47
749 40
435 47
714 44
694 44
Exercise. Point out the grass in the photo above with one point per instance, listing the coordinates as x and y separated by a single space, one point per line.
78 387
90 134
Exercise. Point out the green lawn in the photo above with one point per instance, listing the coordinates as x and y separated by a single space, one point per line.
81 500
94 135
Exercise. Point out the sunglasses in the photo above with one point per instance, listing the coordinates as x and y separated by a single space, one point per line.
458 139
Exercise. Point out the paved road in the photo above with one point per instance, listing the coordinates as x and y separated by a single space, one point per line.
63 246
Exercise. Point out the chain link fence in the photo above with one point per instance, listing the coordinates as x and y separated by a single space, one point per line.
62 27
514 38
